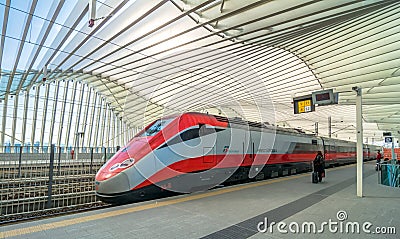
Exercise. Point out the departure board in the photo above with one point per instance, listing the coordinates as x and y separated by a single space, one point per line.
303 104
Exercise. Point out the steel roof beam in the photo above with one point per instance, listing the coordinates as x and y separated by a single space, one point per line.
43 35
216 33
22 43
4 29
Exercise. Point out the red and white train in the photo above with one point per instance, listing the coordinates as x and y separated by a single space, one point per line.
195 151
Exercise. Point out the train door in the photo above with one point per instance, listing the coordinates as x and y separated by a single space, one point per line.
209 141
333 150
328 151
255 158
255 138
209 156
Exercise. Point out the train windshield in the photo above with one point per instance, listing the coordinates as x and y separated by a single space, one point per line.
157 127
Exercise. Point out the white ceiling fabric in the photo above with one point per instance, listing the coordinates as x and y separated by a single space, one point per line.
240 58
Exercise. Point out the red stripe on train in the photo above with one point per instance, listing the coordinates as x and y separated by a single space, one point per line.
230 161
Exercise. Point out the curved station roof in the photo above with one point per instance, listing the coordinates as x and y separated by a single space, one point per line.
238 58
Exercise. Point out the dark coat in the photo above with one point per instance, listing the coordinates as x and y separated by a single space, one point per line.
319 164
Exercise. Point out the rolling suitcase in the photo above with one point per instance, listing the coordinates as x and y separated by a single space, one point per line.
314 177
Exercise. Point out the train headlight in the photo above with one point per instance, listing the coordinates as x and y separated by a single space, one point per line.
115 166
127 163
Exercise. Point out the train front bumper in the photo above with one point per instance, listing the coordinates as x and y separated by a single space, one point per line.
119 183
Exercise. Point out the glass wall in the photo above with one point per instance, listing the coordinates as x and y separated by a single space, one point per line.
65 113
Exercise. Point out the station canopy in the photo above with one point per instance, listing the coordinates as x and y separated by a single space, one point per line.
231 57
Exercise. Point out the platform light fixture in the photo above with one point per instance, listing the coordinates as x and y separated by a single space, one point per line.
92 12
44 73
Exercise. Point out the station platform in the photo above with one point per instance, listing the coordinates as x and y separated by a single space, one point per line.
242 211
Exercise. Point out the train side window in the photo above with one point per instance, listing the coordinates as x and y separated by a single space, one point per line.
190 134
314 142
204 130
157 127
197 132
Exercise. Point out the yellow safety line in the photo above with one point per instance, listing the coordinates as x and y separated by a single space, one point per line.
69 222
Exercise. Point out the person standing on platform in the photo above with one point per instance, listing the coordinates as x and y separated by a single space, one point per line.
378 160
378 156
72 153
319 165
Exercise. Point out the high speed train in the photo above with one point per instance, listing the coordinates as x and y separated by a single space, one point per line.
195 151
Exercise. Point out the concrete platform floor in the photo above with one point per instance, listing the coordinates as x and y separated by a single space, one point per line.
240 211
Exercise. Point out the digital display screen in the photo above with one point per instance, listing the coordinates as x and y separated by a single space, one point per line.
322 97
303 104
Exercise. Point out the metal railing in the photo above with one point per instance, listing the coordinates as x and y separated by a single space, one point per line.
389 174
31 183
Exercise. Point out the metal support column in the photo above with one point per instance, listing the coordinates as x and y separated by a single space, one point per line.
125 134
44 118
86 116
25 116
50 187
76 132
96 131
394 157
91 121
103 125
14 120
117 131
91 161
109 121
113 121
4 121
35 111
359 142
20 161
70 114
105 154
64 102
330 127
53 112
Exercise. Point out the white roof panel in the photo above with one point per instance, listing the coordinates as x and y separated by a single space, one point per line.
242 58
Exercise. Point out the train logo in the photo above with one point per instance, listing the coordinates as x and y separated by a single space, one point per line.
226 148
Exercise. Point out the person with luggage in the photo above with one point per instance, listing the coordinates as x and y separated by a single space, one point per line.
319 167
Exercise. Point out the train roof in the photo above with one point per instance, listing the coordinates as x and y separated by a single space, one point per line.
237 122
260 125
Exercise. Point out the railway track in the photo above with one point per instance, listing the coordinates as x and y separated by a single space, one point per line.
52 212
25 191
13 171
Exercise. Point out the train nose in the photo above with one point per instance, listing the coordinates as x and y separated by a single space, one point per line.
117 184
